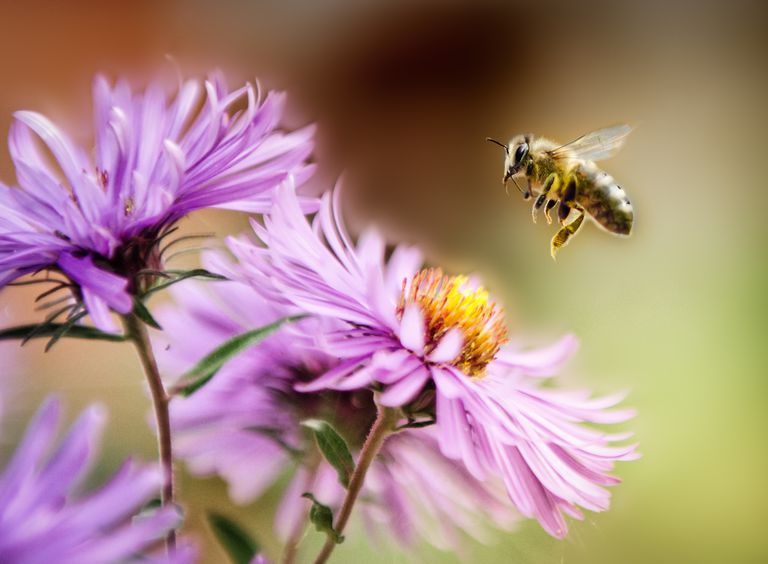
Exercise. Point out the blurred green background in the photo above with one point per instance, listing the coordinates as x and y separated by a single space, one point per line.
404 94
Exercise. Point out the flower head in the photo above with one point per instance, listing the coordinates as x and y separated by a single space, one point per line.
99 220
249 416
43 518
434 346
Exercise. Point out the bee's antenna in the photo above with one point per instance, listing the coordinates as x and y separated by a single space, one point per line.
518 187
498 143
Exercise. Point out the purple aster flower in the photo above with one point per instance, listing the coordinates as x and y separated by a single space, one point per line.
97 217
423 338
249 417
44 518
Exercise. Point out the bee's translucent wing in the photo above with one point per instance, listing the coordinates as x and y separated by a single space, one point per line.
595 146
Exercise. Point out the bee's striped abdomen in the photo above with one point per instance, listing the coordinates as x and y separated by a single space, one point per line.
603 199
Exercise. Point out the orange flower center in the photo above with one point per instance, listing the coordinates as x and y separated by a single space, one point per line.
449 302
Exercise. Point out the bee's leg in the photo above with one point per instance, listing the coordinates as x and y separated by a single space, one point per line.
566 200
565 233
550 186
553 195
550 204
540 199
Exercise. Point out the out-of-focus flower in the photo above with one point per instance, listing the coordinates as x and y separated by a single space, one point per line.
426 338
244 425
44 519
99 220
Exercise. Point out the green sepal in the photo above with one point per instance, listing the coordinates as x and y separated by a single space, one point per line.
414 424
239 545
152 505
141 311
334 448
207 368
321 517
182 275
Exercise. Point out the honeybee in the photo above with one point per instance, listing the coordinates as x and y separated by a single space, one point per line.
567 174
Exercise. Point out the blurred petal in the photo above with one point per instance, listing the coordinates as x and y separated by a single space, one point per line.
45 518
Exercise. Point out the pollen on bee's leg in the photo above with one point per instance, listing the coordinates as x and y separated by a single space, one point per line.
564 235
450 302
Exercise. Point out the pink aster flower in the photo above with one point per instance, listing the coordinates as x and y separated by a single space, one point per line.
44 518
417 334
249 416
96 217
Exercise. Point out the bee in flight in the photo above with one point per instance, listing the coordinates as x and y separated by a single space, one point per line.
567 174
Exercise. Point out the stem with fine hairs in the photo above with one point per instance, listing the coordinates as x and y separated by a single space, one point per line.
386 418
138 335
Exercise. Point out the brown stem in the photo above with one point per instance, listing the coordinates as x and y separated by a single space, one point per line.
137 333
386 419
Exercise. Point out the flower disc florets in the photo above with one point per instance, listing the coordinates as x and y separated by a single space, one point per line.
450 302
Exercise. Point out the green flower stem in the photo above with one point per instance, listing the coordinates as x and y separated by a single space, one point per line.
383 426
136 331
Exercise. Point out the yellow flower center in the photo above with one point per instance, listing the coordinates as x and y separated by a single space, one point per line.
449 302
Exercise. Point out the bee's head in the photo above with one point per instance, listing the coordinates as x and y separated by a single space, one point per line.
517 156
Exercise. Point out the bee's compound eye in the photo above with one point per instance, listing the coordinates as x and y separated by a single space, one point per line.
521 152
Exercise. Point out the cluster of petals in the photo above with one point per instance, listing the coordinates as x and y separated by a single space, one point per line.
95 216
44 519
503 425
249 416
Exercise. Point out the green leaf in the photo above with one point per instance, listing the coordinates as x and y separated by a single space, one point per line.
207 368
141 311
51 318
238 544
333 447
183 275
65 328
321 517
52 329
